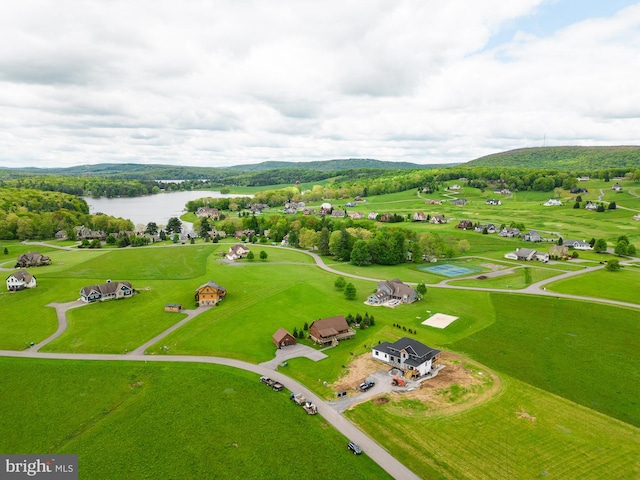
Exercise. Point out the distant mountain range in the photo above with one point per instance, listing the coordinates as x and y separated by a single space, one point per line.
553 158
136 170
563 158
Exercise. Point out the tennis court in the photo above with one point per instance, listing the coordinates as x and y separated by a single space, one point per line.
450 270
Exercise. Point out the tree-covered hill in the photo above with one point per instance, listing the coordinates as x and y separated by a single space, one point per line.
325 169
334 165
564 158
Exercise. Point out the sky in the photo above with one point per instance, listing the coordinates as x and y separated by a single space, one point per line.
228 82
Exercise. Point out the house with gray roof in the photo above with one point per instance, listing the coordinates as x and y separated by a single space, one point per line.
106 291
32 259
409 355
20 280
393 290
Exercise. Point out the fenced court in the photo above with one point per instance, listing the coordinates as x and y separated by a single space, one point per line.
450 270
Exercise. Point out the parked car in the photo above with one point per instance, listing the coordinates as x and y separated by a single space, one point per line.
366 385
354 447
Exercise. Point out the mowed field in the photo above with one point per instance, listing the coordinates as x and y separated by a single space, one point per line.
571 365
139 420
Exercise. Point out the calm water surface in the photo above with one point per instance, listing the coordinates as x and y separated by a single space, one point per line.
157 208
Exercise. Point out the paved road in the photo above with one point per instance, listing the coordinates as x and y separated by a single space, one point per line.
349 430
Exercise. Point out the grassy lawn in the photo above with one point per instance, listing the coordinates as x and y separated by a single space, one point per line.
114 326
170 263
167 421
521 277
623 285
494 439
582 351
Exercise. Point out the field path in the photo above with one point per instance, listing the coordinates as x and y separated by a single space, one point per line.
190 314
376 452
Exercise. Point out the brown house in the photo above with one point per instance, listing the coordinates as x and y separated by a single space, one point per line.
210 293
330 330
282 338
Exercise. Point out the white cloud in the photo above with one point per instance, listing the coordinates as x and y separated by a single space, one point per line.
227 82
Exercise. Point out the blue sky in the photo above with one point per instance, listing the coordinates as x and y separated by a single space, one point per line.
552 16
222 82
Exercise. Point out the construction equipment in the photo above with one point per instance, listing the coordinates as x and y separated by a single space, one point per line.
308 406
298 398
398 382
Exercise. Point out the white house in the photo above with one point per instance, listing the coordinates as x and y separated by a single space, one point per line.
237 251
409 355
20 280
552 202
577 244
521 254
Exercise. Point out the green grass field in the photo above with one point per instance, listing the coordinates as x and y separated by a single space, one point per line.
623 285
495 439
582 351
134 420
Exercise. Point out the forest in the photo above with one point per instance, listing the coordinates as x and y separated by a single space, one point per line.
34 214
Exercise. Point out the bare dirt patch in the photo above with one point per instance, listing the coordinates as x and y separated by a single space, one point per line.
461 384
358 371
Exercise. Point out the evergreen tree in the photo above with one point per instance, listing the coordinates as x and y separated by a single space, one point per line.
323 243
250 256
340 283
350 291
152 228
263 255
306 327
295 332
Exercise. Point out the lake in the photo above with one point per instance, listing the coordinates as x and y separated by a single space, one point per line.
157 208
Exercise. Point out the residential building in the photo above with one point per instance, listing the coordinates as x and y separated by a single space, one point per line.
438 219
393 290
282 338
413 358
210 293
106 291
237 251
419 217
32 259
330 330
577 244
20 280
